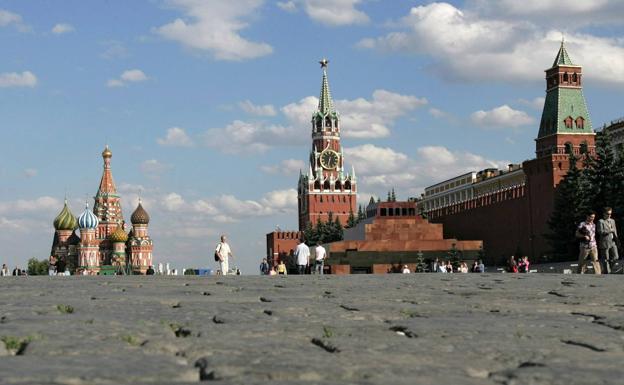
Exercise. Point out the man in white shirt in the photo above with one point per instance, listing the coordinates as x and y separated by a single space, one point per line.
320 258
406 270
302 253
224 253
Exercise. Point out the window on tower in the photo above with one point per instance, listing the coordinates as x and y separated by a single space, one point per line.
568 148
584 147
580 122
566 78
327 122
568 122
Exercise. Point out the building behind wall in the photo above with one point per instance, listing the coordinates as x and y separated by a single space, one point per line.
510 209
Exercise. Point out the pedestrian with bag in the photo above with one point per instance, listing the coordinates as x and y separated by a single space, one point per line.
222 255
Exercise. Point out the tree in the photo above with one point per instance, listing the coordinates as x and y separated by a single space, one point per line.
352 221
361 214
38 267
392 196
603 174
568 211
389 198
421 264
454 256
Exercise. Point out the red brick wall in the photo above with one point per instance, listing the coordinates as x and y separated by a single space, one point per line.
281 244
340 269
503 227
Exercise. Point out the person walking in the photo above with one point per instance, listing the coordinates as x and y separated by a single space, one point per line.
586 232
223 253
5 271
302 253
264 267
607 239
319 261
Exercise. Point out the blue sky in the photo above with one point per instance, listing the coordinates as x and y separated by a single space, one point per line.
206 104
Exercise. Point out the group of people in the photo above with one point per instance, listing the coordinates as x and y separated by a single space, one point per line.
4 272
302 259
447 267
520 266
601 252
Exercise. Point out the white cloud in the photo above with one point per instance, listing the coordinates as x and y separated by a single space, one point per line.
14 79
215 26
381 168
252 109
375 160
328 12
114 83
335 12
501 117
470 46
44 203
113 49
62 28
134 75
154 168
8 18
284 201
360 118
176 137
128 76
30 172
286 167
536 103
288 6
246 137
173 201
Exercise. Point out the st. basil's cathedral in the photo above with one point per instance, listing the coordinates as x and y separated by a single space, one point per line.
103 246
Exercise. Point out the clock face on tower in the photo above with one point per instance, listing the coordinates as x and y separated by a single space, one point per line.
329 159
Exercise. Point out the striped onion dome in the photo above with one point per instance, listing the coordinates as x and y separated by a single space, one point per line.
65 220
140 216
88 220
119 235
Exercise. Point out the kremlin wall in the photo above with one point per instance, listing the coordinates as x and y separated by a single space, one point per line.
493 213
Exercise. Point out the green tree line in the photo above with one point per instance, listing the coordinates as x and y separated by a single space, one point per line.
598 184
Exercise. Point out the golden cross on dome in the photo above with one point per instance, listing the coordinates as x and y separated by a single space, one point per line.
324 62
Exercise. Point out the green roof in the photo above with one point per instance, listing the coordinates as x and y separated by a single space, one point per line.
562 59
560 104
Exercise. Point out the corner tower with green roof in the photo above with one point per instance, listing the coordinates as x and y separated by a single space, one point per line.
565 129
565 126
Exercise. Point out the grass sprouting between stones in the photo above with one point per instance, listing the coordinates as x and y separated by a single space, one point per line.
131 340
16 345
65 309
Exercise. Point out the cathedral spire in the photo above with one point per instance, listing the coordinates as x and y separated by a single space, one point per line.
326 104
107 185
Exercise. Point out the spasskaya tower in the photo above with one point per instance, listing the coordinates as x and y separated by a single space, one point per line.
326 188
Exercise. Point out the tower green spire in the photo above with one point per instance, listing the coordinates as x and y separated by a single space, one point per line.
326 104
562 58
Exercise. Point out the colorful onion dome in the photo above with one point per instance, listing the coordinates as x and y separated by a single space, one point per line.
107 153
88 220
119 235
140 216
65 220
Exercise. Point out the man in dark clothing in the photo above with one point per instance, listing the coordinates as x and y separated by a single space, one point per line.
150 271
